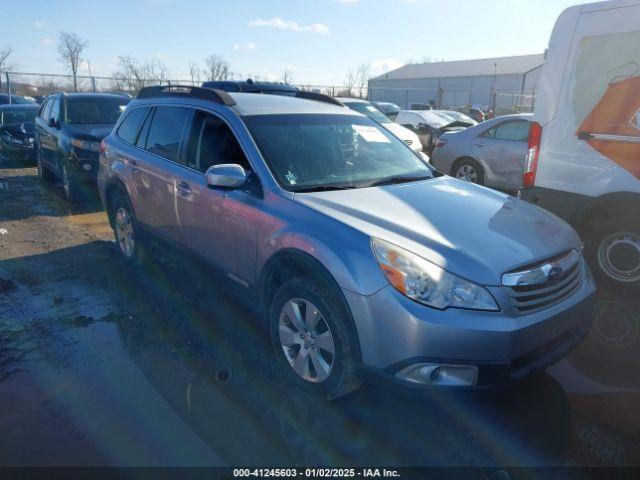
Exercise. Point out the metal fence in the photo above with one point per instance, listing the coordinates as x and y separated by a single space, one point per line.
41 84
449 98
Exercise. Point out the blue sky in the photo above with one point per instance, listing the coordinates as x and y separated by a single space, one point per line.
317 40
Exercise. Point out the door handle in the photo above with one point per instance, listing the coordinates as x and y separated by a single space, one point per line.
183 189
480 144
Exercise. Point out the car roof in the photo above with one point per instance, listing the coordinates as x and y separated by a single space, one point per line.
247 104
96 95
20 106
351 100
249 86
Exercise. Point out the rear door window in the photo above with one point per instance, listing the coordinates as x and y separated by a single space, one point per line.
512 131
165 131
130 126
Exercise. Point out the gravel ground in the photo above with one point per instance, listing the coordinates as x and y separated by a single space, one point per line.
104 365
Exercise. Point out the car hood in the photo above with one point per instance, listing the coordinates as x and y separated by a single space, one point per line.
20 130
468 230
404 134
93 132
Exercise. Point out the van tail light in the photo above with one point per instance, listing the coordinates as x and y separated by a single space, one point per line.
440 143
103 147
533 152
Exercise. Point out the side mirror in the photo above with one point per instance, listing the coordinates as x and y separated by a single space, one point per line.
52 123
226 175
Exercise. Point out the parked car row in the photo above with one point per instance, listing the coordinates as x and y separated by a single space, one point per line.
69 128
367 260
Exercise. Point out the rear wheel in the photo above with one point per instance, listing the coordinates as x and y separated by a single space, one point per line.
312 338
469 170
126 230
613 249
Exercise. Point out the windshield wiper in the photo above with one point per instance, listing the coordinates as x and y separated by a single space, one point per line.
323 188
399 179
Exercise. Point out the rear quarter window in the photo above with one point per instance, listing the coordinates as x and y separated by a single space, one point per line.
130 126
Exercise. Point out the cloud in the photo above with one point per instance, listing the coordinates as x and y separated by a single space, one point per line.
385 65
277 22
245 46
46 41
40 24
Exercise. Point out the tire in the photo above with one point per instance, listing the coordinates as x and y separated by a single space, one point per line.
327 375
469 170
126 230
613 251
70 185
44 174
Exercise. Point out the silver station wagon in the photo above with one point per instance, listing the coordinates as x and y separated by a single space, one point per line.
366 261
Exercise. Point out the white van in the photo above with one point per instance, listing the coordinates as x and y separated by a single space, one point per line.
583 161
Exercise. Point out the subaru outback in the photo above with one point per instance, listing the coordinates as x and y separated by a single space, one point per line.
366 261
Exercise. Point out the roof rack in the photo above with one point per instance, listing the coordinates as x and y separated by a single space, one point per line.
319 97
217 96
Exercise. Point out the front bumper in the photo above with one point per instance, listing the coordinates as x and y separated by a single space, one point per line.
84 168
396 332
17 152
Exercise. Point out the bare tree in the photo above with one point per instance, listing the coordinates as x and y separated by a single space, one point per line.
287 75
350 81
362 78
157 71
70 48
194 73
217 68
5 53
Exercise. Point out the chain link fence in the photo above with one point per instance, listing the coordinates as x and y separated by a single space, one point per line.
449 98
42 84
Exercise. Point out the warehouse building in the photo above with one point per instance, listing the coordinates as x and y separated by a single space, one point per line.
503 84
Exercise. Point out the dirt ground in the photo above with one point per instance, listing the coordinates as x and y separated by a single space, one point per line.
102 364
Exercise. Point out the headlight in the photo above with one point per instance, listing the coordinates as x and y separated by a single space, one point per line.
427 283
86 144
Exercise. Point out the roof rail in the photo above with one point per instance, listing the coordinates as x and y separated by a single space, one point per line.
320 97
217 96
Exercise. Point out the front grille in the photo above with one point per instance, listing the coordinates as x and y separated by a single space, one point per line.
533 289
408 142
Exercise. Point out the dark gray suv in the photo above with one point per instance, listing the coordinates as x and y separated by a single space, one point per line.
364 258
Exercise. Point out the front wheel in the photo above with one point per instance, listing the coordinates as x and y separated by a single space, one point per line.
312 338
44 174
70 185
613 249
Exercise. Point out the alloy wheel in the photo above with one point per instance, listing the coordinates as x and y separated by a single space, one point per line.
467 173
124 232
306 340
619 256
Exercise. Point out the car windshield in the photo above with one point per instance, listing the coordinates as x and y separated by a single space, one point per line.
369 110
9 117
89 111
16 100
458 116
322 152
388 108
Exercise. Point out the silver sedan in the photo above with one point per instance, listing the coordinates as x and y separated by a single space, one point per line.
491 153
